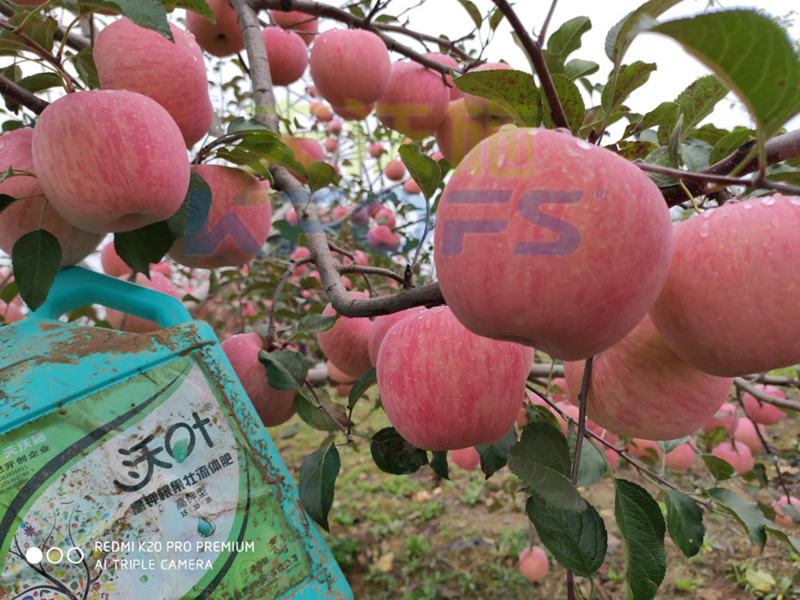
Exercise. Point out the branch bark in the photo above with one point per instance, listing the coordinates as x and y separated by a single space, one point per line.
534 50
318 9
761 395
19 94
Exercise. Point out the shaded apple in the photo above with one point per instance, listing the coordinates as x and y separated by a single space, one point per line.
222 38
466 458
382 238
381 327
735 453
458 133
395 170
346 344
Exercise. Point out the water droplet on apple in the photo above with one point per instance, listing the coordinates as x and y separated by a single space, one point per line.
709 213
795 201
704 230
582 144
747 206
768 201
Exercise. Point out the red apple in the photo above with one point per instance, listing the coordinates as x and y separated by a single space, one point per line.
237 225
305 25
297 254
131 324
222 38
448 61
382 238
726 416
466 458
24 215
746 433
411 187
641 388
415 102
744 250
444 388
395 170
533 564
735 453
376 150
132 58
331 144
761 412
381 327
384 217
579 232
10 313
681 458
785 519
346 344
111 160
335 127
287 54
642 448
336 375
273 406
350 65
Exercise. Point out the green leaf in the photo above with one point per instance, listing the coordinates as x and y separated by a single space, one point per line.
9 292
423 169
666 112
36 259
660 156
40 82
621 36
496 19
439 464
593 465
360 387
567 38
577 68
286 370
752 55
620 86
144 246
577 540
745 512
673 148
514 91
87 70
695 103
495 456
200 7
40 29
541 460
394 455
642 527
314 416
244 124
149 14
685 522
316 323
731 142
318 473
473 12
320 175
356 10
571 102
6 201
720 469
194 210
695 154
792 541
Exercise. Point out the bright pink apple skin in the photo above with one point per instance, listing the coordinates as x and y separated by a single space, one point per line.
382 238
335 127
110 161
131 324
681 458
448 61
331 144
737 454
381 327
458 133
287 54
273 406
591 283
641 388
747 250
300 253
785 519
727 419
346 344
533 564
376 150
466 458
481 108
746 433
444 388
306 26
337 375
132 58
237 225
23 216
761 412
411 187
395 170
415 102
350 65
223 38
306 151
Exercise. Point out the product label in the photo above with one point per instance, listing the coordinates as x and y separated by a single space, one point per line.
145 490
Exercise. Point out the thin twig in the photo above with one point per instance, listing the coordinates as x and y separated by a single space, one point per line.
272 336
546 24
762 396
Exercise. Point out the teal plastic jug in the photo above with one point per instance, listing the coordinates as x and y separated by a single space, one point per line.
133 466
